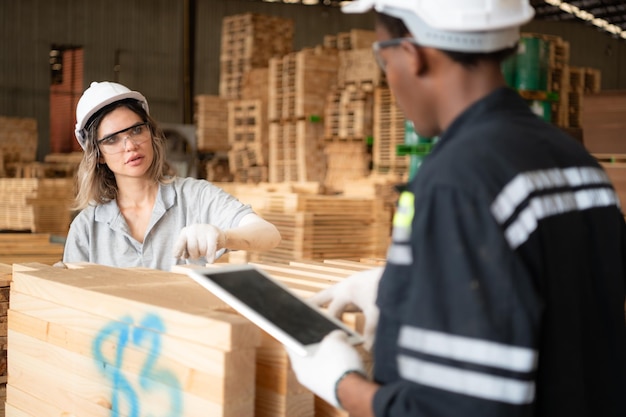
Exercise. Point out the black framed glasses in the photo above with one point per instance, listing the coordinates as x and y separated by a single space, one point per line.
380 45
116 142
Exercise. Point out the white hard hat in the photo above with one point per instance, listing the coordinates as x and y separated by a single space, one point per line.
97 96
478 26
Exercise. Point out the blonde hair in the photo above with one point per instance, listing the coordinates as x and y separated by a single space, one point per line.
95 182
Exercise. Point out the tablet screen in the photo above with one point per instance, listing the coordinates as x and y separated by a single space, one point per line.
275 303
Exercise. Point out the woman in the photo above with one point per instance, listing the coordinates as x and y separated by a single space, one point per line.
133 212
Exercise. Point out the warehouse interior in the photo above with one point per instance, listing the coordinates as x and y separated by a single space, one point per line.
281 104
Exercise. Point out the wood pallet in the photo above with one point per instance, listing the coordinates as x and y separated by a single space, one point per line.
345 161
5 287
358 66
296 151
355 39
604 123
248 41
299 83
388 127
211 121
348 114
248 131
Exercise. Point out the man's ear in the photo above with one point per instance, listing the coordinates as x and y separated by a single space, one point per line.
419 60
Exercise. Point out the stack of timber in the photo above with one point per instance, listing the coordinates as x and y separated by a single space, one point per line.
98 341
5 286
211 122
249 41
389 130
353 39
29 247
248 139
38 205
298 85
278 392
317 227
18 141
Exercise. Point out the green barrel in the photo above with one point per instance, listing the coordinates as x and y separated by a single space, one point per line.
531 64
508 70
541 108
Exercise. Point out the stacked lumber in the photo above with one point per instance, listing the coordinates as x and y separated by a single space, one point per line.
98 341
389 131
249 41
248 140
278 392
29 247
211 122
317 227
39 205
55 165
298 85
5 286
18 140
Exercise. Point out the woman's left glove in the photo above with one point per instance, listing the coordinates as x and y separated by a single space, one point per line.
199 240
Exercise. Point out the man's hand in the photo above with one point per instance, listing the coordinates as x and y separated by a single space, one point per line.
358 290
321 372
199 240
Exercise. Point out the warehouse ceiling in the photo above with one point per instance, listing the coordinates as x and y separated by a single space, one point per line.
606 15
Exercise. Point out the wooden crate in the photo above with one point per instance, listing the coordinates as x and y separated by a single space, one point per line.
388 129
85 342
211 121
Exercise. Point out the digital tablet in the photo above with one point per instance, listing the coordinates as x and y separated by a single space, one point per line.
272 306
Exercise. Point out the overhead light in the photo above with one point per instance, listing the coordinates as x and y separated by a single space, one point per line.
588 17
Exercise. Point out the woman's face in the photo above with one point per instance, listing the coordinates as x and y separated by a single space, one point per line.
125 143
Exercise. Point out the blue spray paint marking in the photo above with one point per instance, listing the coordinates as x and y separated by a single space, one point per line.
147 334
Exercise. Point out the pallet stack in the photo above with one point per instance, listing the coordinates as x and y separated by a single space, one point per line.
298 84
6 271
249 41
35 204
248 139
104 341
389 130
211 122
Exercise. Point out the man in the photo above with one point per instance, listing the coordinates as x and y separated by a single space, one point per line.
503 293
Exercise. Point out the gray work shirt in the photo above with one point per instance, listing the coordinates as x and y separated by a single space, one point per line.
99 234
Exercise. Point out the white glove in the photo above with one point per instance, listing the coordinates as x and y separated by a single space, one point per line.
321 371
199 240
358 290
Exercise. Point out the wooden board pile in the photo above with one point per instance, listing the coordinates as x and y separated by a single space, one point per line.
298 84
18 141
39 205
5 287
29 247
317 227
249 41
98 341
278 392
